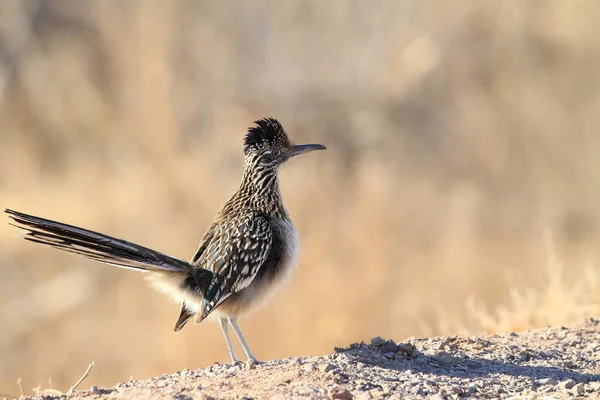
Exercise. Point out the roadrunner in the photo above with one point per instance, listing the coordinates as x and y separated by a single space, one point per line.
249 249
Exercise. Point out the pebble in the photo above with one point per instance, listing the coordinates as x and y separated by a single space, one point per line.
578 389
405 349
471 391
547 381
389 347
326 367
376 341
594 385
456 390
566 384
523 356
340 393
363 396
311 367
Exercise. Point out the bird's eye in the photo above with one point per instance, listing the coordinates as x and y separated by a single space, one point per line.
275 153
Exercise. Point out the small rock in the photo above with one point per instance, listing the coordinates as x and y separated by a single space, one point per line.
471 391
311 367
566 384
443 358
364 396
569 364
456 390
514 334
389 347
418 390
547 381
376 341
578 389
523 356
592 347
340 377
447 344
405 349
94 389
341 393
326 367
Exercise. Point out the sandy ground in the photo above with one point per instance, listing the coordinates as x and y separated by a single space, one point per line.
557 362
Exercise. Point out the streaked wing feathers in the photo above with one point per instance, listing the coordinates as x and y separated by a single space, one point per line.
238 250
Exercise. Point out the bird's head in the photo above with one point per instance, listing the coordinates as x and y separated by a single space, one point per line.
266 144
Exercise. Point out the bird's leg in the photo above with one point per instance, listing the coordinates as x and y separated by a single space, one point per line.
225 329
238 332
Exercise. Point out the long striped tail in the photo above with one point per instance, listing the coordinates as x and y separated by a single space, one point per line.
96 246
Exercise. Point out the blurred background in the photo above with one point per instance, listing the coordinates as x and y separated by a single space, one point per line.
460 192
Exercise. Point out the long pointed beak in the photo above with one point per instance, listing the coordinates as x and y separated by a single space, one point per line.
304 148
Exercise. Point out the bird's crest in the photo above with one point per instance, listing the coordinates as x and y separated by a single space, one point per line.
267 133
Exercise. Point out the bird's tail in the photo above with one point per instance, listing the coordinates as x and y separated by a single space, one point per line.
96 246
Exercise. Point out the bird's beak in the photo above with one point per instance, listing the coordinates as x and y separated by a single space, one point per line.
304 148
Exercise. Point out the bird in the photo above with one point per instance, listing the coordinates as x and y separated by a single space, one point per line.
248 251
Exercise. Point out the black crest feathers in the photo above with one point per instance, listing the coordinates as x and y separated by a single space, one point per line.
268 132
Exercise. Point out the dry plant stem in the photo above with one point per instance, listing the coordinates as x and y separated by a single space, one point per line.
50 391
20 383
85 375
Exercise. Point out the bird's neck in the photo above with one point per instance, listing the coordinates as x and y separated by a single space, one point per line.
259 190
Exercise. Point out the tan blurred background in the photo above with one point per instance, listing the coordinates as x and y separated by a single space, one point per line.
460 191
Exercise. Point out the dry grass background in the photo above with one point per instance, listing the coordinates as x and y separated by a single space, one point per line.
461 136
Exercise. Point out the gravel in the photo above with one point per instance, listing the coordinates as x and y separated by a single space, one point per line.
556 363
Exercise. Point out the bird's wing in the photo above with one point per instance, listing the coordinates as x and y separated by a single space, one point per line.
206 240
236 252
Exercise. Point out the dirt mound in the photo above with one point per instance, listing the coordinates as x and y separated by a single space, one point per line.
556 362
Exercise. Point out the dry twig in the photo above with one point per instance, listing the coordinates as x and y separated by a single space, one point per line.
85 375
20 383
